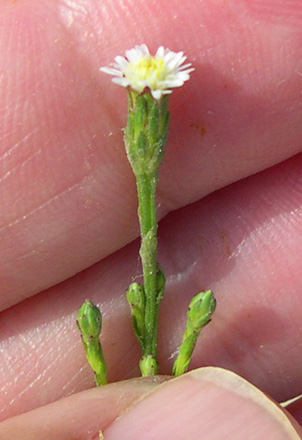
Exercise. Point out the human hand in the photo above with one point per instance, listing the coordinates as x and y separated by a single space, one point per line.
68 197
209 403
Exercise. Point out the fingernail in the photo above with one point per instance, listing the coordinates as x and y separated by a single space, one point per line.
209 403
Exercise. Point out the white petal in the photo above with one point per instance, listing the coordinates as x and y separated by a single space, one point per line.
137 53
186 66
160 53
177 60
156 94
111 71
144 49
121 62
121 81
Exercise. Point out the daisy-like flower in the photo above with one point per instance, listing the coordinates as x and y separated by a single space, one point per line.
140 70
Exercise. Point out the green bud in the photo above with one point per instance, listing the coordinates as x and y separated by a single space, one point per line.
201 308
89 320
199 314
136 298
148 365
90 323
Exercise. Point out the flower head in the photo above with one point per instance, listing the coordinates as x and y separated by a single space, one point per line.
160 72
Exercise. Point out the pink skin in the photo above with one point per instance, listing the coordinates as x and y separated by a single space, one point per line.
68 196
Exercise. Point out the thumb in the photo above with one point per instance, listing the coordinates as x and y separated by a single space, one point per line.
209 403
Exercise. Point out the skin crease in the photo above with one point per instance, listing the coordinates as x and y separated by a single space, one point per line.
68 201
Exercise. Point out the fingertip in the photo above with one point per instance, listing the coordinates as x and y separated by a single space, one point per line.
81 415
210 403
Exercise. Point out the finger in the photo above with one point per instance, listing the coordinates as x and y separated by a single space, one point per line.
67 193
244 242
208 403
80 416
189 405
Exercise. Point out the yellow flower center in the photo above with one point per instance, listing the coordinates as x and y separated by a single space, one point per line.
147 69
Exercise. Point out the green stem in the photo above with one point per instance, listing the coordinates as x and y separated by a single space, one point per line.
145 137
146 189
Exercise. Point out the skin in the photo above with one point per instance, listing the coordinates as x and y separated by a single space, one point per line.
229 198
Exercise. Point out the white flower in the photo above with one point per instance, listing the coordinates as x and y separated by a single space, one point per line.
160 73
